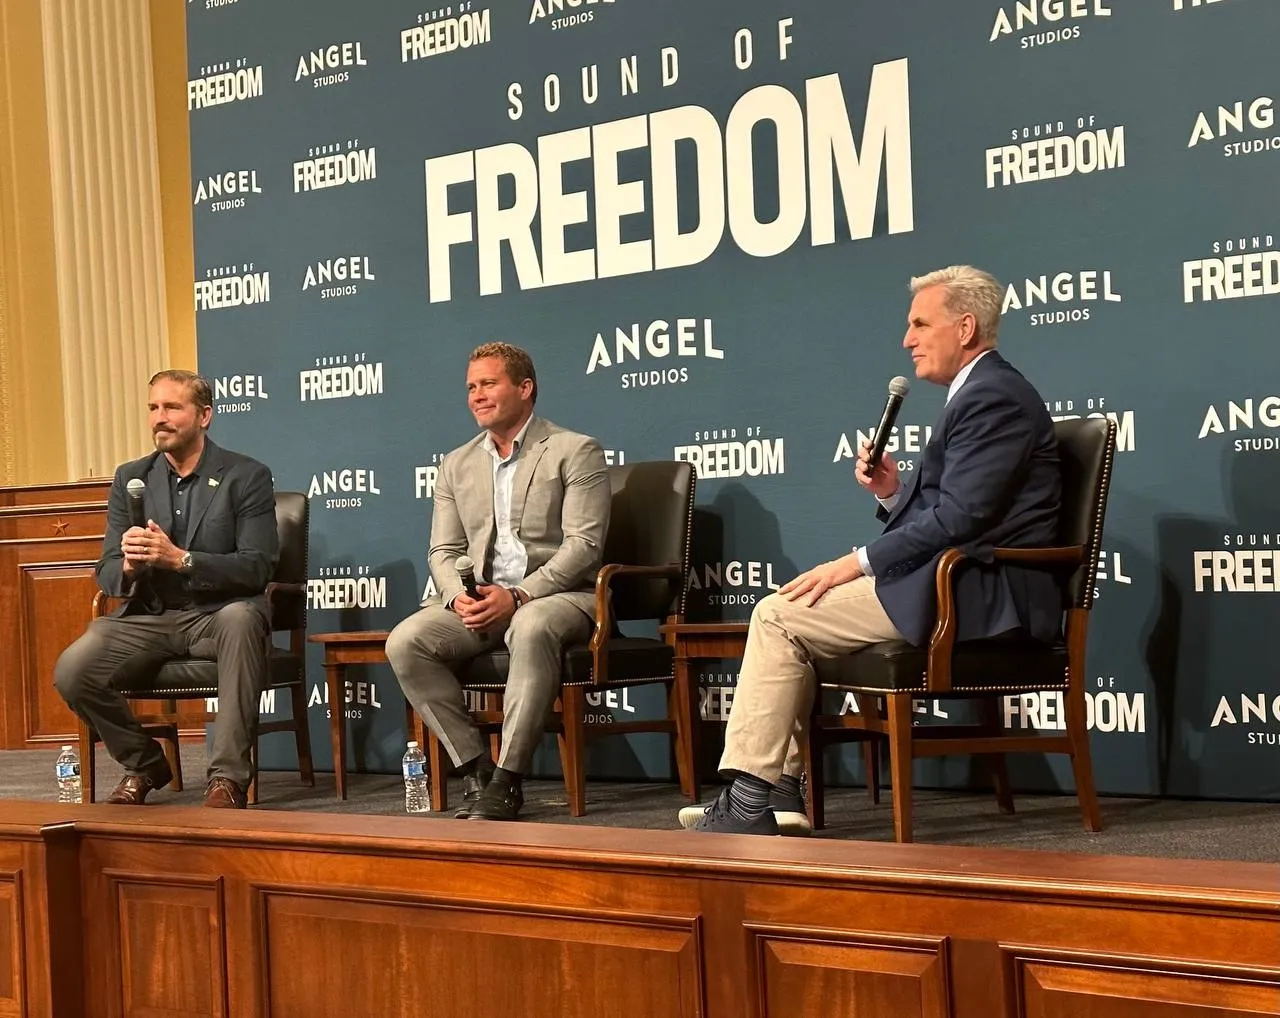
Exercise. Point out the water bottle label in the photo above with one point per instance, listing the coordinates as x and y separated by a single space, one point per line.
414 769
68 770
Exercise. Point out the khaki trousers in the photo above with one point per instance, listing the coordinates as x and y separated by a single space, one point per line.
776 687
426 647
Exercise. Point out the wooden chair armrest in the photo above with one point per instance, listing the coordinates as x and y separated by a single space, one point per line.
103 603
942 641
604 609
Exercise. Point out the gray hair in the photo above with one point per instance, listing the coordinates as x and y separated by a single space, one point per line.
968 291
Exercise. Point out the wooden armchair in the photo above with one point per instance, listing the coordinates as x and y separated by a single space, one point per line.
647 558
886 677
191 679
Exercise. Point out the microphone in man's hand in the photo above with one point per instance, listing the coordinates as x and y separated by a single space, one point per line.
898 388
137 514
467 574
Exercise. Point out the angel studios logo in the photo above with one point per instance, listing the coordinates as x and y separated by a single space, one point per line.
1061 298
663 352
1045 22
1253 715
736 583
1253 423
558 15
1243 127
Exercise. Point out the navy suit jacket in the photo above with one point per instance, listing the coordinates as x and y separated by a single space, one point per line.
989 478
231 532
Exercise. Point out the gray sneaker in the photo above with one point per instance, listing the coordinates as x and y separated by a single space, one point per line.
788 812
717 819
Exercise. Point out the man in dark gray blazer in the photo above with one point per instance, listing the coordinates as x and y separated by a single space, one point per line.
194 577
528 502
989 477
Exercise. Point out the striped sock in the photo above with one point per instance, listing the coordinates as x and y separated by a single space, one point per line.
788 785
748 797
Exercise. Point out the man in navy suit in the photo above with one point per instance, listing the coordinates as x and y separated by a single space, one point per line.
195 577
988 478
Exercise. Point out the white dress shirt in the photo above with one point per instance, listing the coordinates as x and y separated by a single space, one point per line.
510 559
962 376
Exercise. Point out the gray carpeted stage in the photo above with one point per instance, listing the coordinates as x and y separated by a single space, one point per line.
1245 831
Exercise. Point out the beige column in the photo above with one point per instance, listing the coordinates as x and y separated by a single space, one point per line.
106 220
95 229
32 425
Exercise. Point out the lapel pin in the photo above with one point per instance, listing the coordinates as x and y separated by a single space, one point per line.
213 482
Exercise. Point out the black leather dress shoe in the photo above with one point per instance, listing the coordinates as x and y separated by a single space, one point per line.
499 801
472 786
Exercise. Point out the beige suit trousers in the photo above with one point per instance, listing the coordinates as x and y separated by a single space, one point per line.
776 687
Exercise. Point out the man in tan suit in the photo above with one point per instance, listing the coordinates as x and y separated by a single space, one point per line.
528 503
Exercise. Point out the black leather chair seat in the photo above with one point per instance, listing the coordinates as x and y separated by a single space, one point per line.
186 677
631 659
999 663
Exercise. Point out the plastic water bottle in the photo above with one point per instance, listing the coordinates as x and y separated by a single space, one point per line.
417 796
68 771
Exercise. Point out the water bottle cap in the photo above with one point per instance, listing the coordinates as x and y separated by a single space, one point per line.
413 745
68 749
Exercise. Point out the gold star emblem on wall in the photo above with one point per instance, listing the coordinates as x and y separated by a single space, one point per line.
59 528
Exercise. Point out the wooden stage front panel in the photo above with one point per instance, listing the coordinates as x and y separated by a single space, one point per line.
196 913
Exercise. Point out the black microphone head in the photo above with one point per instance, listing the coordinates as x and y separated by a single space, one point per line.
899 386
135 488
465 566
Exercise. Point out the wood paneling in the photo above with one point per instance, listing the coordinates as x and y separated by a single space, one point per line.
12 938
815 971
527 961
295 915
50 541
170 937
51 600
92 489
40 929
1080 987
50 538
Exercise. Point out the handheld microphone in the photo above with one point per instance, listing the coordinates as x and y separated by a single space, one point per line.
467 574
137 514
898 388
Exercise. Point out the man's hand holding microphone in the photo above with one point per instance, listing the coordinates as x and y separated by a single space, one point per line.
144 544
879 475
481 606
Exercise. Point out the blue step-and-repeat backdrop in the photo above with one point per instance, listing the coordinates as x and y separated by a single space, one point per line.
701 219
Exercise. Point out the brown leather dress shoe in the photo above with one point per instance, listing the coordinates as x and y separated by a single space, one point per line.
133 788
223 793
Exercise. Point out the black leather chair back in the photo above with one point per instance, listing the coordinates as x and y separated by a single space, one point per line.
1086 449
292 522
649 525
